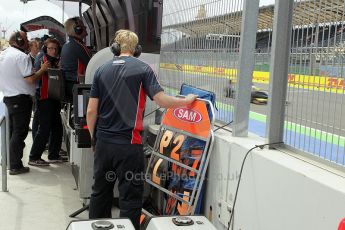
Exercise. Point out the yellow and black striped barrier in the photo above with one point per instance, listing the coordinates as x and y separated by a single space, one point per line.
319 83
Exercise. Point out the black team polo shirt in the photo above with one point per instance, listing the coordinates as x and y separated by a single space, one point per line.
75 56
121 85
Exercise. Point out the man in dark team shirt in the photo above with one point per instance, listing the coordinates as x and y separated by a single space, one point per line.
117 103
74 55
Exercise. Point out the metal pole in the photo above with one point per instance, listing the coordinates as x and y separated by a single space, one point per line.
95 25
3 155
4 127
7 119
245 72
63 11
281 40
130 15
80 8
159 6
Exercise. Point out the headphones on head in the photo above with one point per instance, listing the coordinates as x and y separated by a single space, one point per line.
78 29
116 49
19 40
52 39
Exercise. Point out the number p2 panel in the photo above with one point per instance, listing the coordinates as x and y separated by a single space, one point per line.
179 161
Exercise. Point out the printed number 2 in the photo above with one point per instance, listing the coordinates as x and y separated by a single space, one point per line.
165 141
178 140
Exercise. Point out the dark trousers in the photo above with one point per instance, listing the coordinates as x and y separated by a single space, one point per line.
69 91
19 110
126 164
35 120
50 126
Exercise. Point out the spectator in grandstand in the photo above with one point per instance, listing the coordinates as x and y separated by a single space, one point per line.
50 126
115 120
17 82
75 55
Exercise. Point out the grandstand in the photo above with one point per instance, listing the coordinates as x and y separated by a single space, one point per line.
308 31
331 12
316 41
315 36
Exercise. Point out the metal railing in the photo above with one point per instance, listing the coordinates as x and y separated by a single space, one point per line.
199 54
314 117
202 46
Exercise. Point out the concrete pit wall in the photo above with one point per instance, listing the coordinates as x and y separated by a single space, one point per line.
277 191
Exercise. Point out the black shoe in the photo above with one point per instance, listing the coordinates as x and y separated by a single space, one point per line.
19 171
64 158
39 162
58 160
63 153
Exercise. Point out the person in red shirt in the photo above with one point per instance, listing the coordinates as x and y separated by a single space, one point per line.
48 112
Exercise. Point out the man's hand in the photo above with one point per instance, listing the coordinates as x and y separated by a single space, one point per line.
190 98
38 74
166 101
93 143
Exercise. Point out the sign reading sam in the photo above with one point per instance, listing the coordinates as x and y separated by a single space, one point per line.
187 115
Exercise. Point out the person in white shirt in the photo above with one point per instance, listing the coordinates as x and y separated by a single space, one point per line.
17 83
